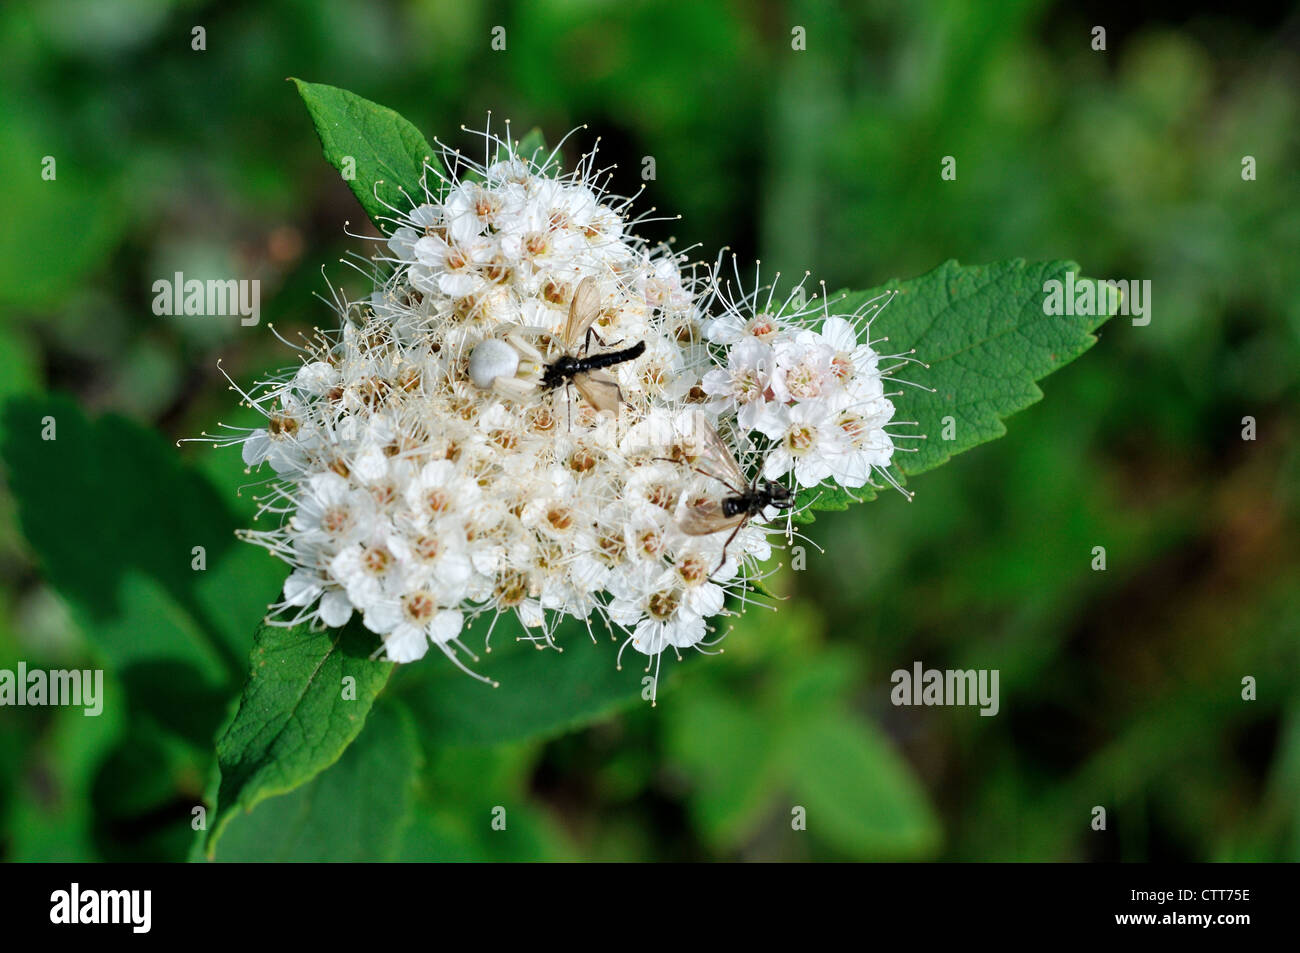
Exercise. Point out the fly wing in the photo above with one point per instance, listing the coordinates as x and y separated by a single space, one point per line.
704 516
601 390
582 311
715 459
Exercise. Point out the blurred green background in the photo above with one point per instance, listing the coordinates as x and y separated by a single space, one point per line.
1119 688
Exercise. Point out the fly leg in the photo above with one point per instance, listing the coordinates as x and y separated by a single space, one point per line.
729 538
591 334
711 476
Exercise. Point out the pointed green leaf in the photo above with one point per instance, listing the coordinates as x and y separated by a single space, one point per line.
533 148
724 744
113 518
984 333
353 811
384 154
307 697
861 798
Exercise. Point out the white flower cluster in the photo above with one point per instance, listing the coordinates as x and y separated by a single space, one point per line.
524 418
817 396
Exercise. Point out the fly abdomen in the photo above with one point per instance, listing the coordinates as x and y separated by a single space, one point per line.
754 500
749 503
734 506
566 367
596 362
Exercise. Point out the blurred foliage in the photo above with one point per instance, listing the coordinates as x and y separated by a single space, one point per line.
1120 688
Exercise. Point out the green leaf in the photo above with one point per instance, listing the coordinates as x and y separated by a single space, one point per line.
725 745
293 720
113 518
533 148
983 332
542 693
21 361
449 833
478 806
353 811
861 797
389 153
138 787
45 263
53 819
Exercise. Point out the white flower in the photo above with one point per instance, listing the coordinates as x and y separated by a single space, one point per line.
332 512
316 378
491 359
367 571
304 587
697 569
867 446
803 367
402 242
289 439
410 623
731 327
745 385
470 209
648 600
806 441
453 268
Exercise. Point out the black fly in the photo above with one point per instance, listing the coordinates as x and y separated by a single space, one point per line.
747 499
584 372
